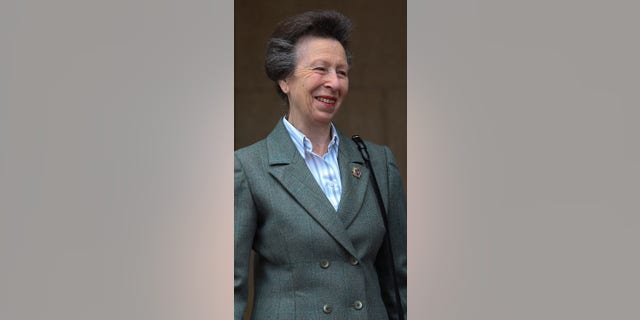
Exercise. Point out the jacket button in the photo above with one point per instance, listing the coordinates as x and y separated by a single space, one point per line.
357 305
327 308
354 261
324 263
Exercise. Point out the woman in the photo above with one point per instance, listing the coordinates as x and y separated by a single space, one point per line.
304 199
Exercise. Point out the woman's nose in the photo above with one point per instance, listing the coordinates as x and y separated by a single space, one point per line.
331 79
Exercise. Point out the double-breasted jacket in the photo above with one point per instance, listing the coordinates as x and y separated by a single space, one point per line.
312 262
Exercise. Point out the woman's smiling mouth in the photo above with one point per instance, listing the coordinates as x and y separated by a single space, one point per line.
327 100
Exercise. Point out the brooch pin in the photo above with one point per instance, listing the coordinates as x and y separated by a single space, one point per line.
356 172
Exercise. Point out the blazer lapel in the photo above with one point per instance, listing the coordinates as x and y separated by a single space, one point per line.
355 179
288 167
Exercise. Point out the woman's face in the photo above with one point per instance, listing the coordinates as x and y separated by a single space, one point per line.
319 82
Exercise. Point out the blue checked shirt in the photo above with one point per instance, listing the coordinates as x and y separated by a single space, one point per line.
324 169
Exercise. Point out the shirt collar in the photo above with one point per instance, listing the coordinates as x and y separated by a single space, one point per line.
303 144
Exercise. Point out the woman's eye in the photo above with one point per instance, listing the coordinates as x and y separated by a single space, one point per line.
320 69
342 73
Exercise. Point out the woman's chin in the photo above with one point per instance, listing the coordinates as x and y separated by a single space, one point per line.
326 114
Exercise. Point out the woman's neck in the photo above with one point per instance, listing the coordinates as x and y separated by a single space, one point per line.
319 135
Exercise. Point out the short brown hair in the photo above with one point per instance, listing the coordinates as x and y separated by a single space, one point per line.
280 60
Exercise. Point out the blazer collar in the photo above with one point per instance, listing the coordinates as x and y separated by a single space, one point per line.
289 168
355 180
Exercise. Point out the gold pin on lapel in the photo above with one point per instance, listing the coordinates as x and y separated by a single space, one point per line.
356 172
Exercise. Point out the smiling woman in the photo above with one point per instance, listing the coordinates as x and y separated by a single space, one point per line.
316 88
305 201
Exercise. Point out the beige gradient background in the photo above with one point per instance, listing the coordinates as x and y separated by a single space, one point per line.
115 159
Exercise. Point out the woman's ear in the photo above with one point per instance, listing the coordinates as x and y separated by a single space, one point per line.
284 86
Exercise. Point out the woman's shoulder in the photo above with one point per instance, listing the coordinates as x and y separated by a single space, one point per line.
378 151
251 151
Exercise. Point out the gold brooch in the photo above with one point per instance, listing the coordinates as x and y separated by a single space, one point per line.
356 172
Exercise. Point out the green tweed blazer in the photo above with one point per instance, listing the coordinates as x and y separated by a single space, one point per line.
312 262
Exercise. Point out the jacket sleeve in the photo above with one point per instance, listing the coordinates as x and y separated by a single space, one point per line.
397 220
244 222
